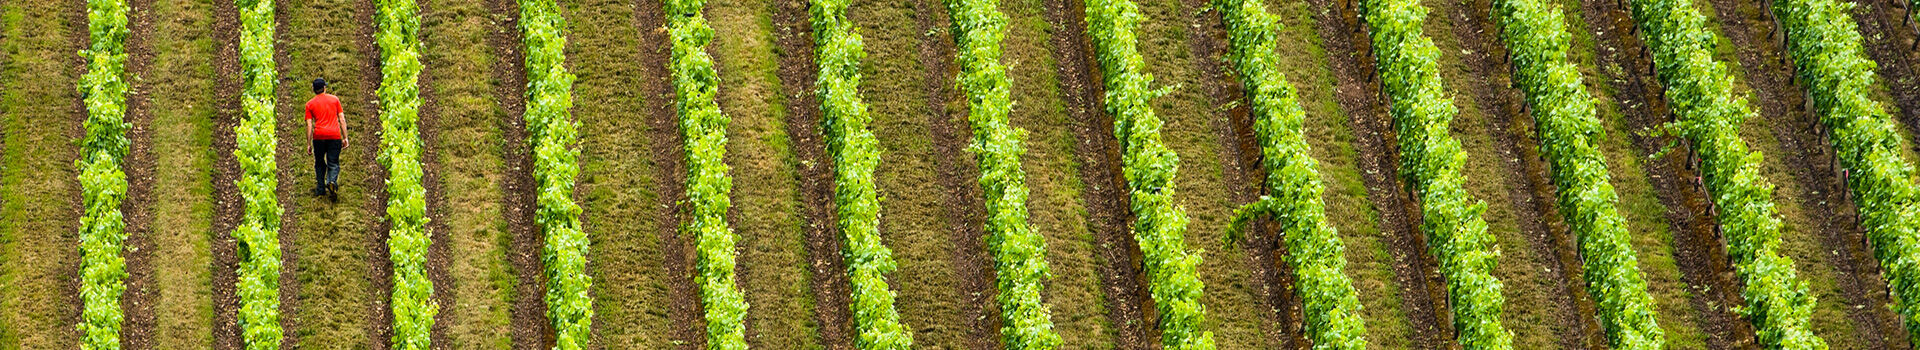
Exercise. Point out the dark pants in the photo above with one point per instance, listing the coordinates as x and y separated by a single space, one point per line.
326 162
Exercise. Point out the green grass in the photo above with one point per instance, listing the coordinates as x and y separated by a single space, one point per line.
460 64
38 194
616 183
912 216
320 40
181 81
773 254
1055 203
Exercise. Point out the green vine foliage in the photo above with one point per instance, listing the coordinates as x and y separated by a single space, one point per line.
856 154
553 134
1701 93
704 130
103 271
1318 257
1019 252
1538 43
1431 160
408 239
1829 60
1149 167
257 237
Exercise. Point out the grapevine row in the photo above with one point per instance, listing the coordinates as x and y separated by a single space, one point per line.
257 238
1709 116
552 132
1538 42
1431 160
704 131
856 153
103 270
1826 49
408 238
1149 167
1019 252
1331 305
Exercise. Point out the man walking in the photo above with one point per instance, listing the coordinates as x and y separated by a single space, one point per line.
328 128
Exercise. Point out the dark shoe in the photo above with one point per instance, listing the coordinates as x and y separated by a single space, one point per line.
333 192
318 191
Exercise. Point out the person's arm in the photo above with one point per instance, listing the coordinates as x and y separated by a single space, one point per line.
342 120
309 131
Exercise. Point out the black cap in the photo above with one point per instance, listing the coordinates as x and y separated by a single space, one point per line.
319 85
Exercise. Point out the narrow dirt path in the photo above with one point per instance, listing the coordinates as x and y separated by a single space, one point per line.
1424 297
288 191
831 289
531 331
1697 247
138 301
1531 192
227 203
1098 154
379 259
669 159
1784 104
959 179
1892 43
1240 150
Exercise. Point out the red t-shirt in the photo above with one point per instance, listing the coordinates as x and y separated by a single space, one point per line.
324 111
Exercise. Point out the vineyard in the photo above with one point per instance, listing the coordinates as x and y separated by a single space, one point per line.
962 174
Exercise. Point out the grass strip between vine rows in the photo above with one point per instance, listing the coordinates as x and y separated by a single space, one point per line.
408 239
856 154
1294 198
1159 225
1431 160
1709 112
257 239
704 131
1829 60
1019 252
553 134
1538 43
103 271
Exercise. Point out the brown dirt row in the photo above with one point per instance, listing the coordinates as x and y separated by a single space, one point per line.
78 32
669 157
226 196
1892 44
1814 167
1359 94
437 230
1266 253
1700 254
138 302
831 289
379 259
1108 215
531 331
958 172
288 193
1532 193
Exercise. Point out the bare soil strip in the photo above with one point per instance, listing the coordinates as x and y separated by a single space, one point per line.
669 159
138 302
437 230
1350 53
1108 215
287 194
831 289
1266 255
531 331
959 175
1813 166
379 259
1531 192
1697 248
227 203
1892 44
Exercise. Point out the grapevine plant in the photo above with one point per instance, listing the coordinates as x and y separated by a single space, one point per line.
1538 42
257 237
704 130
1431 160
1019 252
1709 116
1827 55
1331 305
1149 167
552 132
103 271
408 239
856 154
